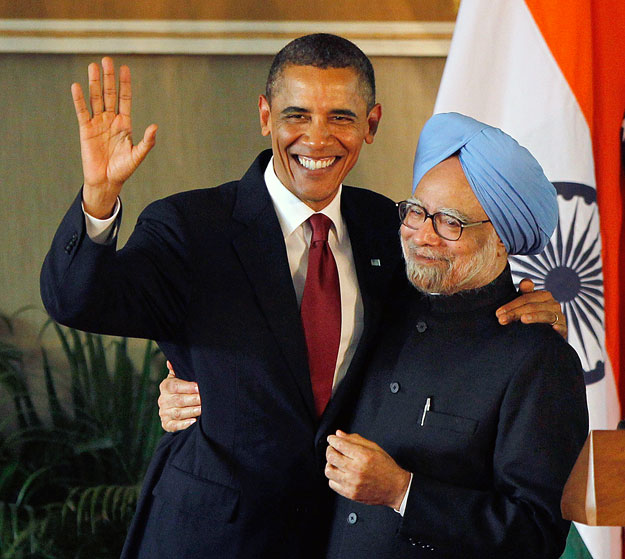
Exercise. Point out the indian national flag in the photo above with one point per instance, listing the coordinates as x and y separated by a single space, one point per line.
551 73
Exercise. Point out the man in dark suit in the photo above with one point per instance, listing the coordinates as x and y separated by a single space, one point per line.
467 429
217 276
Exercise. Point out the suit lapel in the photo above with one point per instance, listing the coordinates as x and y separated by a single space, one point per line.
260 247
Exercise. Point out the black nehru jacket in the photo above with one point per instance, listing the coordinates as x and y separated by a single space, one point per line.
490 458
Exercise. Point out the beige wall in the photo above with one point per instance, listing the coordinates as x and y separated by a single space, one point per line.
283 10
206 110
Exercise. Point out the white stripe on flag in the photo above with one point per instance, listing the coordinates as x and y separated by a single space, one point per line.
500 70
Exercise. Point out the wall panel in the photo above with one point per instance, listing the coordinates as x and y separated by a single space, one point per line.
206 108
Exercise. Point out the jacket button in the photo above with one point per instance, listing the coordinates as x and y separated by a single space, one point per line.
421 327
394 387
352 518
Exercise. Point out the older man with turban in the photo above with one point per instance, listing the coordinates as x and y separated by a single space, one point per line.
466 430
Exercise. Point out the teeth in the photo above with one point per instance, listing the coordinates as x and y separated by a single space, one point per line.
314 164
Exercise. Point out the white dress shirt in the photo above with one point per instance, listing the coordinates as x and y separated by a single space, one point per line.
293 215
102 231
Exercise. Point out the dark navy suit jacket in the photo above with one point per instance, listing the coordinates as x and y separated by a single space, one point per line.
205 273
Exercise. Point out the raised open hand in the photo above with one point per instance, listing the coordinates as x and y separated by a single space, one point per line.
108 155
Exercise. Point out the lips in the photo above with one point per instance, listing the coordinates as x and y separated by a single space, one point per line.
315 164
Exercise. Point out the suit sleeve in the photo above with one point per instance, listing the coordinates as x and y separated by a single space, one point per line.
542 427
140 291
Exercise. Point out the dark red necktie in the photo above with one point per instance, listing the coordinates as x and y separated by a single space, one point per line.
321 311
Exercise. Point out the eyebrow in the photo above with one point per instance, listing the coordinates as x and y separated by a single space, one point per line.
344 112
449 211
293 109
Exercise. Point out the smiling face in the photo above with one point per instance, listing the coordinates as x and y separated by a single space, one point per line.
317 120
435 265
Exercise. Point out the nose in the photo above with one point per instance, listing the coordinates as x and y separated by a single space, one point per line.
424 235
317 135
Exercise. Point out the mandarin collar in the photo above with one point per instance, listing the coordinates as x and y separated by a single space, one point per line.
495 294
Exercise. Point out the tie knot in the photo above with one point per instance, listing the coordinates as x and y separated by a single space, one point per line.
320 224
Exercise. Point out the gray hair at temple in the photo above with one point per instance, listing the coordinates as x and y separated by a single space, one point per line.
324 51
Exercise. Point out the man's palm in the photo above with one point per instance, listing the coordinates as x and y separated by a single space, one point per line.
108 156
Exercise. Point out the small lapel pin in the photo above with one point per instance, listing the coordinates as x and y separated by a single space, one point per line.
376 262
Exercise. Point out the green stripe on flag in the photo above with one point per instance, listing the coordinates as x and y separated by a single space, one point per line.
575 548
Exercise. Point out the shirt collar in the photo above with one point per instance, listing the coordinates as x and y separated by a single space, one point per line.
292 212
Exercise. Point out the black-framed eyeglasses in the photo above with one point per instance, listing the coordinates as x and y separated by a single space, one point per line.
446 226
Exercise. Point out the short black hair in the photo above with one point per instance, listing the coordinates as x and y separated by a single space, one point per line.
323 50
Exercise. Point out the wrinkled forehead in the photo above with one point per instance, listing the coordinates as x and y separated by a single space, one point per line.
445 187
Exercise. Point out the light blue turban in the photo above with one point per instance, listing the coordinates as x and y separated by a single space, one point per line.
506 179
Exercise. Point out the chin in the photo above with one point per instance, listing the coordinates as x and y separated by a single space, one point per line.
428 278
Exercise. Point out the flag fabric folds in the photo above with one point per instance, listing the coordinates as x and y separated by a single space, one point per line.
551 73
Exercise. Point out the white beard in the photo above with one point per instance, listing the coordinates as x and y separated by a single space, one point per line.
450 274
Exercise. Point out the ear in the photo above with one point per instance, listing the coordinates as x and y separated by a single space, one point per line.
373 120
264 111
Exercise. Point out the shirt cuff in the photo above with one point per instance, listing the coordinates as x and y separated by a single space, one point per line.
102 231
402 507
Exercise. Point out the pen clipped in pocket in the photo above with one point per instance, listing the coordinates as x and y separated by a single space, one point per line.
431 418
